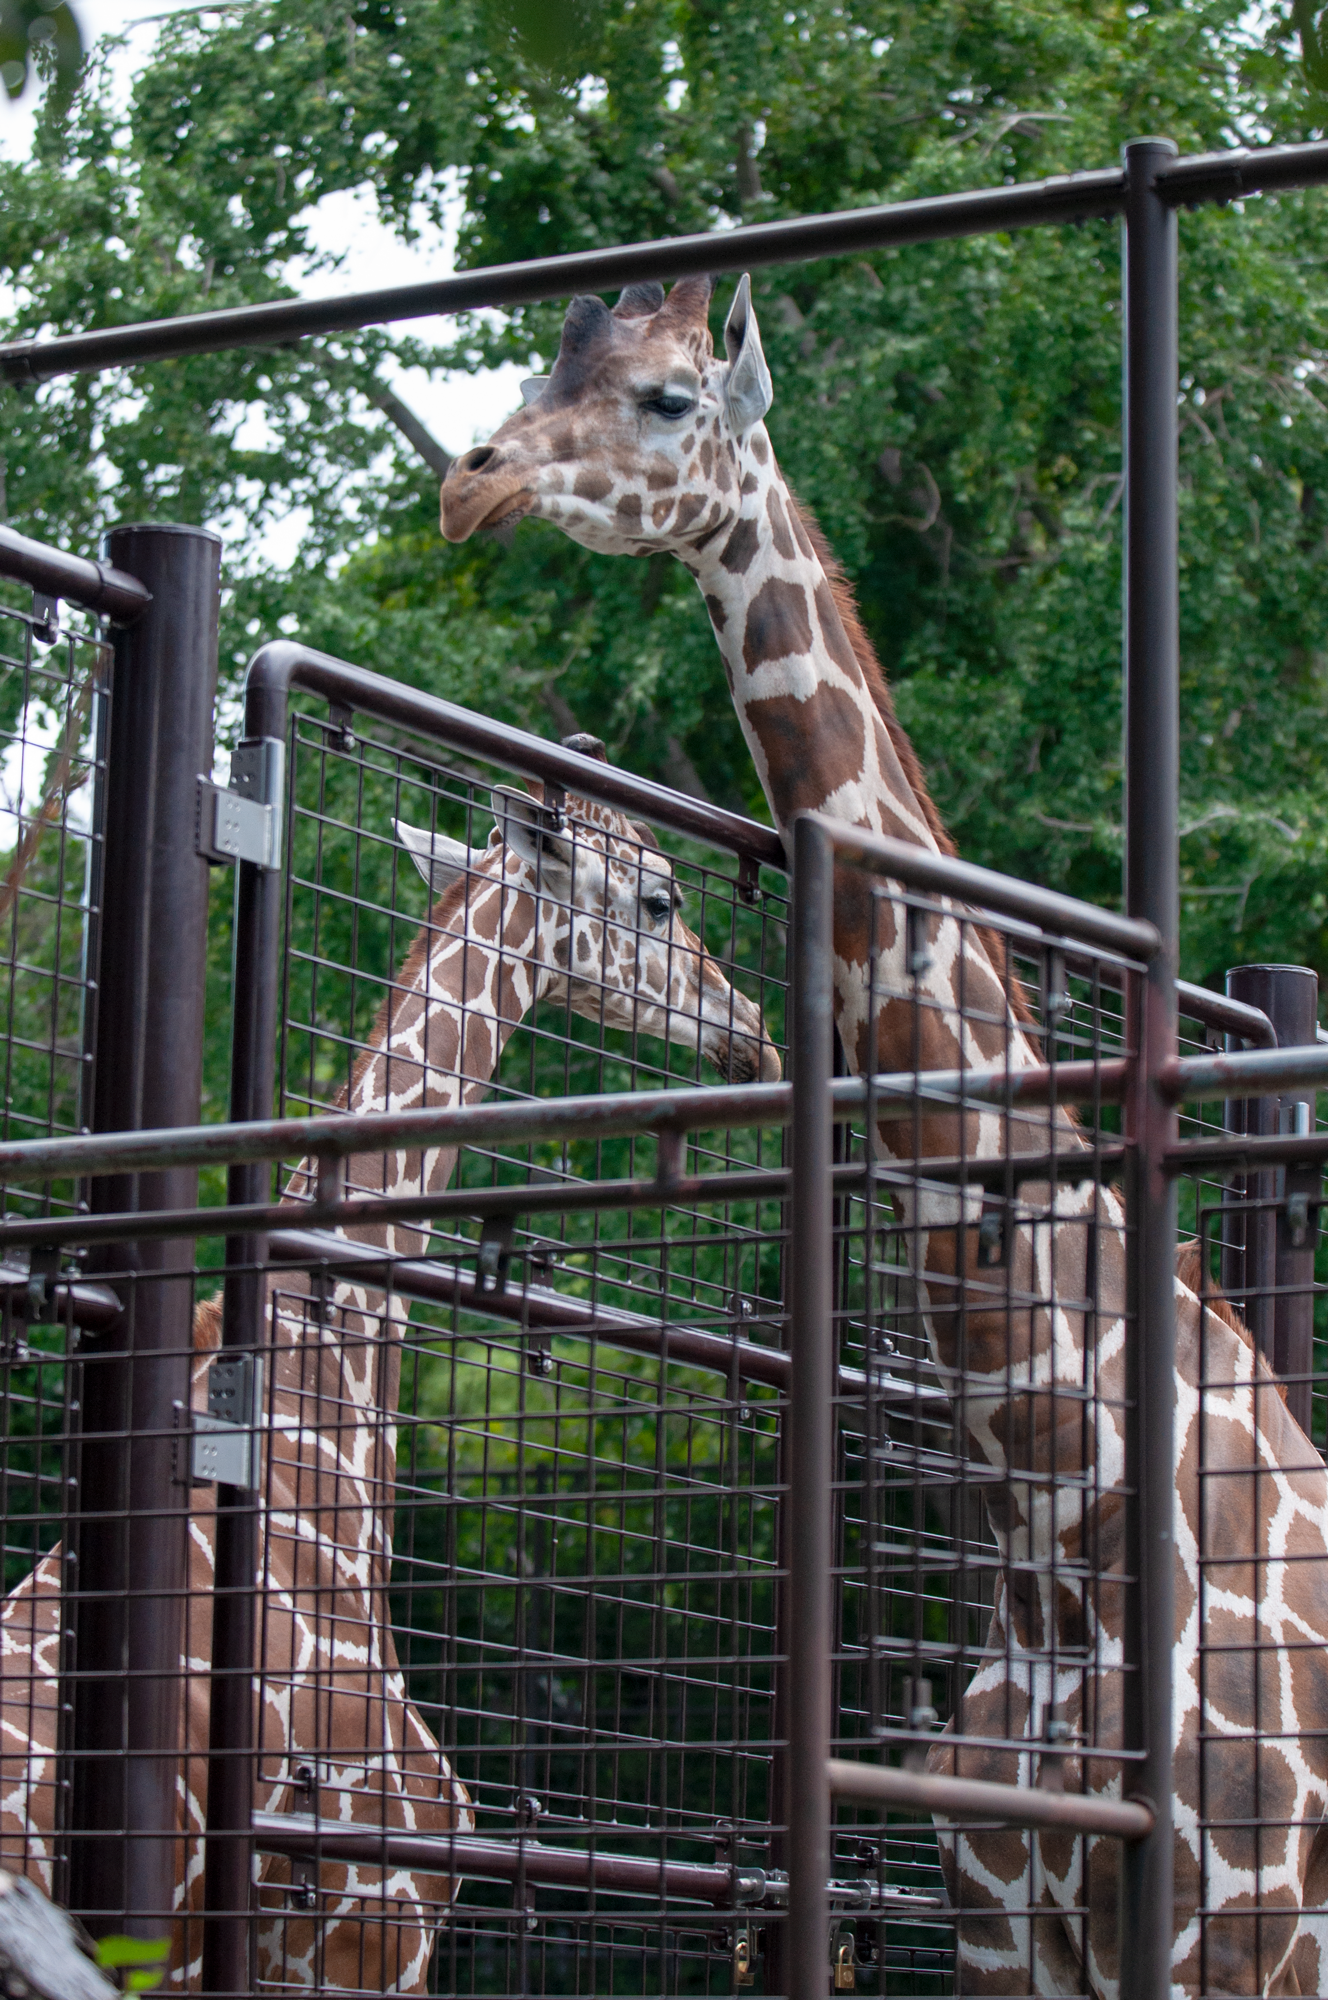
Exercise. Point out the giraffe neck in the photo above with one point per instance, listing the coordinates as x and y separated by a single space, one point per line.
813 725
818 725
474 971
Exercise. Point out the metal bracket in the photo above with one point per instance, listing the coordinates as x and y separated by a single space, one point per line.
991 1238
749 887
225 1440
43 1270
243 821
1298 1222
495 1254
45 618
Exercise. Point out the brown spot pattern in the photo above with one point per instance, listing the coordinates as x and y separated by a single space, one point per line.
777 625
739 551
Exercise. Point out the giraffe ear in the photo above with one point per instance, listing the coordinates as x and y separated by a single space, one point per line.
532 831
533 388
439 858
748 389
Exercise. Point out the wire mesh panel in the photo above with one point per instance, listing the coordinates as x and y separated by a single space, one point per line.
1250 1697
582 1600
557 1570
54 697
54 693
982 1410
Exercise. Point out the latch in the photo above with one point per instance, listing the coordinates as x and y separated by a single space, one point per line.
225 1440
242 822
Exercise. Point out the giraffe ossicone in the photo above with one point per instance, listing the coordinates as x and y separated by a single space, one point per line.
578 905
643 441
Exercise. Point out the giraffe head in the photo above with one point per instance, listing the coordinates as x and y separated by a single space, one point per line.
640 439
609 936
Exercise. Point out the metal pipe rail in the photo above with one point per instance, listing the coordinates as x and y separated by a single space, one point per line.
284 664
976 1798
1063 198
486 1857
1191 1079
1101 1161
95 586
615 1115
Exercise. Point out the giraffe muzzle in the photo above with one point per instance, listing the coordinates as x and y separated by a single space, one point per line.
477 493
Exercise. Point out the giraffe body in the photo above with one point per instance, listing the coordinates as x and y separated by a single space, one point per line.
577 905
642 441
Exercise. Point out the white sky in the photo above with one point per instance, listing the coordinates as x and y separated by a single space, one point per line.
460 410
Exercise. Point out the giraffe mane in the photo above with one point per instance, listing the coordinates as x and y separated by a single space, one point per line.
873 673
1190 1273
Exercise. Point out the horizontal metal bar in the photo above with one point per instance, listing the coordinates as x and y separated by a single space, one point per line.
1219 1010
1246 1073
484 1858
549 1197
487 1858
1228 175
76 1302
614 1115
538 1309
96 586
973 1798
284 664
526 1198
920 868
1192 1156
847 232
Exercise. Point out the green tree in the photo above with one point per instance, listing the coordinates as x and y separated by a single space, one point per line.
951 412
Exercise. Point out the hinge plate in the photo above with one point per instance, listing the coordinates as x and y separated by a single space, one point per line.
242 822
224 1446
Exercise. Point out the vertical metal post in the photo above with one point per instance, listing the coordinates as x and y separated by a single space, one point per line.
811 1414
228 1853
128 1558
1152 731
1268 1274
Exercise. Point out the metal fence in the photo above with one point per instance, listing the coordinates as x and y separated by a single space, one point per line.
559 1526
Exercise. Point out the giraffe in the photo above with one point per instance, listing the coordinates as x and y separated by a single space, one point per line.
576 906
640 441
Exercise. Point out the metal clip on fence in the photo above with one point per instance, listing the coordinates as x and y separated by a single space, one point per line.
242 821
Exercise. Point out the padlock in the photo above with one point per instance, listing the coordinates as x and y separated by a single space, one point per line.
845 1973
744 1958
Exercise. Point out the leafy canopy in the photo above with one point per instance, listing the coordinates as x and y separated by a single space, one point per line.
951 412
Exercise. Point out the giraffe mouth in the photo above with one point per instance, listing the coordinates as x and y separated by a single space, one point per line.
508 511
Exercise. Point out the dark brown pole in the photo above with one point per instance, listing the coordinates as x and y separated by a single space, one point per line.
228 1862
811 1415
1152 891
1268 1273
126 1595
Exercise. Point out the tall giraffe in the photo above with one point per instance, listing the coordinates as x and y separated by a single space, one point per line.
576 907
641 440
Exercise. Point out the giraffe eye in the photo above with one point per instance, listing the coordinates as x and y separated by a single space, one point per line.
659 906
668 405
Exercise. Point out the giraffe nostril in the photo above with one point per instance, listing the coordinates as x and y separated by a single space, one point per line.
475 461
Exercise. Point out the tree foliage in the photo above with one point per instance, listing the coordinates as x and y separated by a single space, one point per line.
951 412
